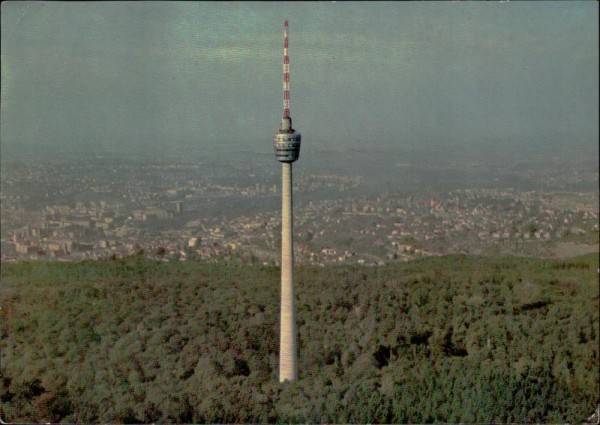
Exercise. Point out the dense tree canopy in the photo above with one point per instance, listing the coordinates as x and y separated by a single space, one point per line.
454 339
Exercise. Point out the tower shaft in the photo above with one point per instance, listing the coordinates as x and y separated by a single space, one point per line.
287 341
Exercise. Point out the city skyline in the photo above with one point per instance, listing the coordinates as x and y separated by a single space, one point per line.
162 78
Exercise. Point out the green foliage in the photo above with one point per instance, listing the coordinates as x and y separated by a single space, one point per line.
448 339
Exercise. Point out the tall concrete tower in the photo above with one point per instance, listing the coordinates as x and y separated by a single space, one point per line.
287 150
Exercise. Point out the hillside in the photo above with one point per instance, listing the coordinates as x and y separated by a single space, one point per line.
455 339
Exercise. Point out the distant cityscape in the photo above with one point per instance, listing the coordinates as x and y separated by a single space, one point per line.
169 211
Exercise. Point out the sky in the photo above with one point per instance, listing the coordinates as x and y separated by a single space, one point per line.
124 78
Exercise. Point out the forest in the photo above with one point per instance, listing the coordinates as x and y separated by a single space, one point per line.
444 339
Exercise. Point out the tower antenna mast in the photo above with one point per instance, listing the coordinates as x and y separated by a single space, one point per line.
286 71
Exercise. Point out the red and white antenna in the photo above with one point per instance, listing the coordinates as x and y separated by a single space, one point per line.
286 72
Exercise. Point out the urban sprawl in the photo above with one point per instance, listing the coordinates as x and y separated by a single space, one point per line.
178 212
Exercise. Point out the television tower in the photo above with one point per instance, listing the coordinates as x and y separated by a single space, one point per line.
287 150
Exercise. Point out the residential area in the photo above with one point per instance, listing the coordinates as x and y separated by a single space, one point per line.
175 211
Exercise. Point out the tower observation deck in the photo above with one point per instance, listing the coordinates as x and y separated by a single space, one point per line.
287 142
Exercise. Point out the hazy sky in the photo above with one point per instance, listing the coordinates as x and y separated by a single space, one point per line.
127 77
